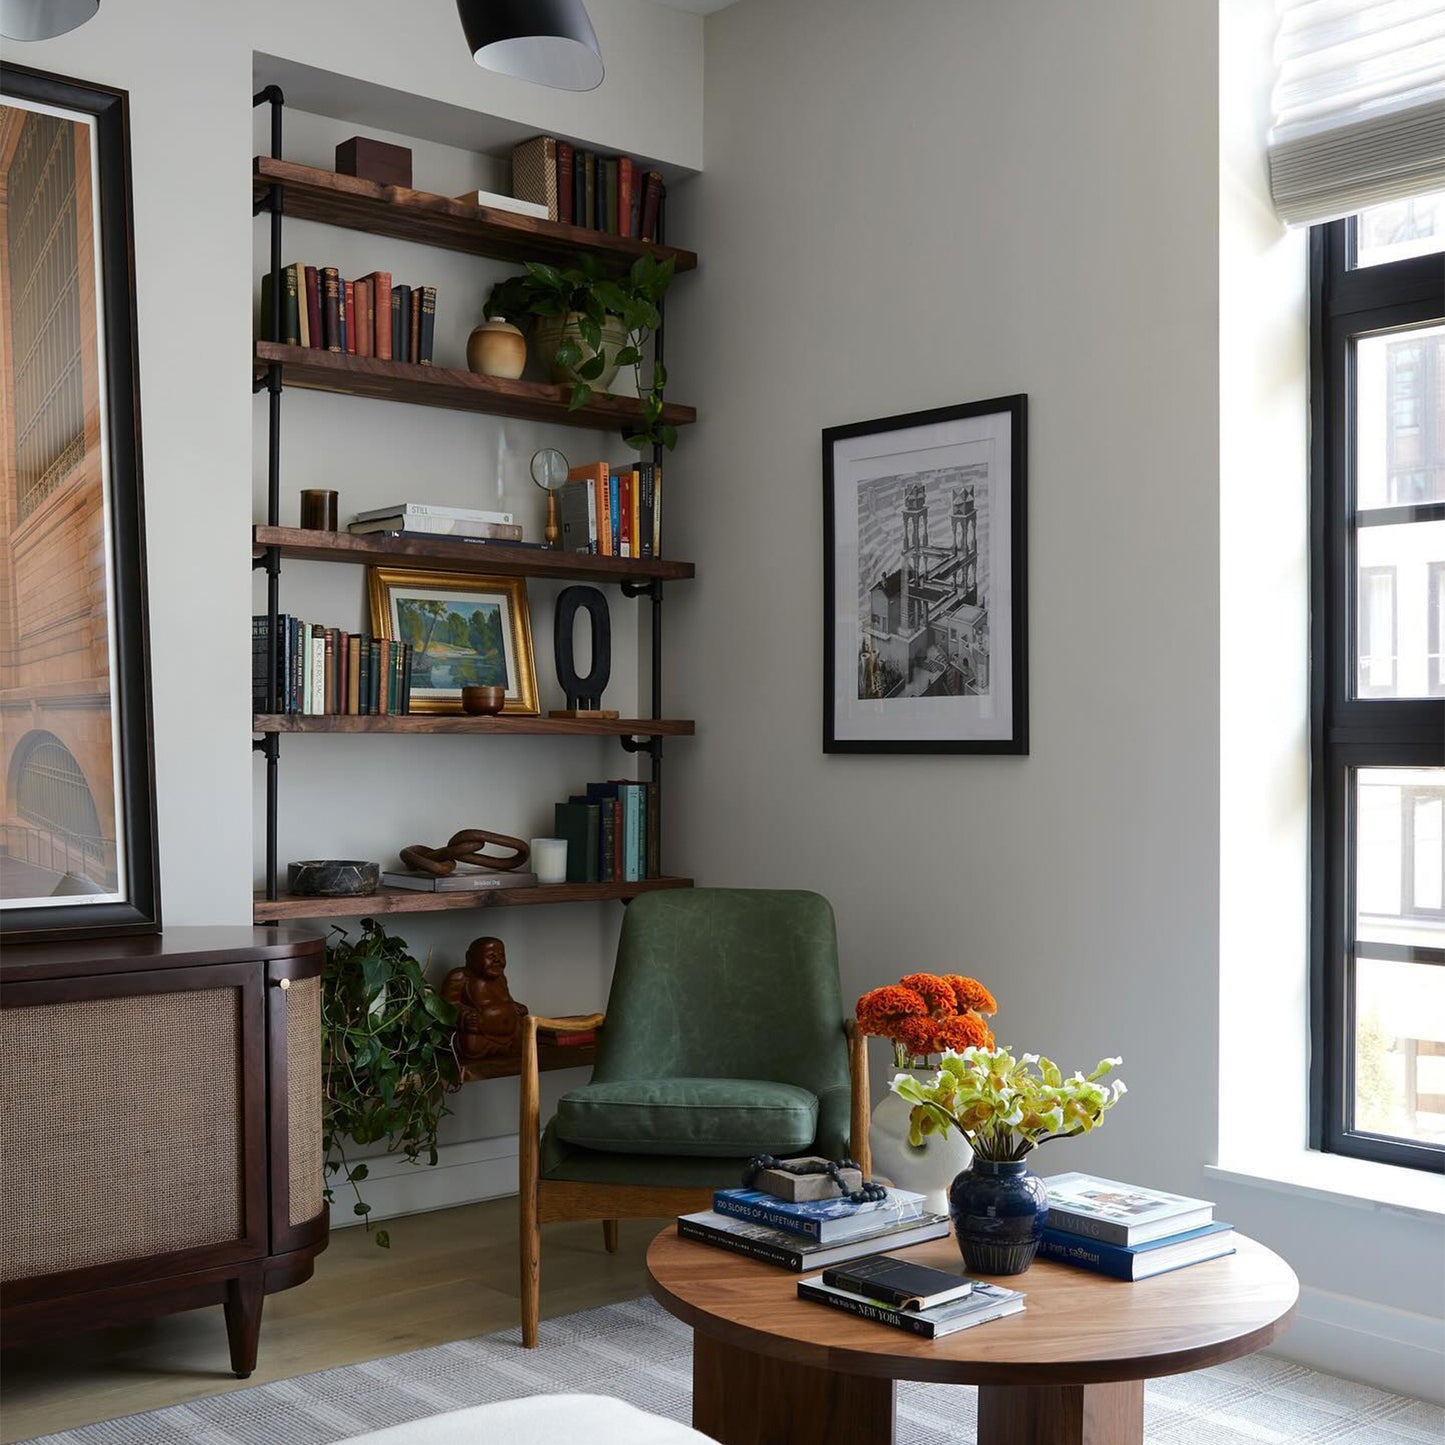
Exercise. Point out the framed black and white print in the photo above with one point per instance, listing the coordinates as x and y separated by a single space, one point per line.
925 601
78 832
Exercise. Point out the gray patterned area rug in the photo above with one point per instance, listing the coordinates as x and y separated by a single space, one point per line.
638 1353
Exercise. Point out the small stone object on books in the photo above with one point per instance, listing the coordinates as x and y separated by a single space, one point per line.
801 1181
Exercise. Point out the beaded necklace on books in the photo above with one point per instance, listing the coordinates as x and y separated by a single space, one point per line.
870 1193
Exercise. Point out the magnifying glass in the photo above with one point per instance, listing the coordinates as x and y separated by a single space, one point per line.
549 471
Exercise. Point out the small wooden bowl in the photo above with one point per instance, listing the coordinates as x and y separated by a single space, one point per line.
486 700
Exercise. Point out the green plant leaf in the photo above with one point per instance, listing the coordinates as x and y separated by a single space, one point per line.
383 1239
358 1173
669 436
592 368
361 1208
628 356
581 395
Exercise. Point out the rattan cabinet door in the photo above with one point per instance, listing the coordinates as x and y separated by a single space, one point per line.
132 1128
299 1216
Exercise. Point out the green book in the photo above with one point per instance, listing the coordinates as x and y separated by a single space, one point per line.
290 308
578 824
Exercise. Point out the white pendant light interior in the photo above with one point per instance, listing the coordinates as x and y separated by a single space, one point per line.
43 19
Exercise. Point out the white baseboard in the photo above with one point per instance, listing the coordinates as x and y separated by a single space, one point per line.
463 1174
1388 1348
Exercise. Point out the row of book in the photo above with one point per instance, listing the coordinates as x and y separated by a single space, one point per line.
369 316
323 671
611 832
612 509
429 519
1127 1231
582 188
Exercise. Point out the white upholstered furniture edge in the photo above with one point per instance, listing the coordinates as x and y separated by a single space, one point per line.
539 1420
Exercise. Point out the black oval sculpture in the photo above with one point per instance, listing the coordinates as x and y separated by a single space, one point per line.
583 693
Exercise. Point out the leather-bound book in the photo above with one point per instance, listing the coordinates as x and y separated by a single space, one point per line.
313 304
651 201
428 324
381 314
566 160
413 331
365 318
331 308
348 316
626 171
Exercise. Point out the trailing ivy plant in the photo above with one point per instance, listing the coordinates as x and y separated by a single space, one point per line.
585 292
387 1056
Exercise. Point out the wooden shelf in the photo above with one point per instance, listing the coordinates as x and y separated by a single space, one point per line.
311 194
347 375
421 723
549 1056
405 900
441 554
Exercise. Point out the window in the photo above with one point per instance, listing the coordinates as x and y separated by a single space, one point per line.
51 791
1378 724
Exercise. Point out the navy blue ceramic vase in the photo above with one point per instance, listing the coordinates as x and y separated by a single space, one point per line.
998 1210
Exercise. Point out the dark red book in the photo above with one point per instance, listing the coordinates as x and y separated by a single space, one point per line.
626 171
313 305
350 328
566 159
381 314
651 202
413 335
553 1039
331 308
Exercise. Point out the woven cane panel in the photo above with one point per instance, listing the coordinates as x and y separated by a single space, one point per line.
120 1129
303 1097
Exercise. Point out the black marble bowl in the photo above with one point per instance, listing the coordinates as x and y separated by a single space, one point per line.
332 878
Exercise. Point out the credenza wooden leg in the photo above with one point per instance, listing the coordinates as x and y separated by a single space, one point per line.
244 1297
1110 1414
741 1398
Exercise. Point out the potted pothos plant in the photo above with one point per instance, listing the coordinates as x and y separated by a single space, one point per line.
588 325
387 1056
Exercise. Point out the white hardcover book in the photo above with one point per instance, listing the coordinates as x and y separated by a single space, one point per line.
1119 1213
318 672
592 517
432 509
439 527
305 699
496 202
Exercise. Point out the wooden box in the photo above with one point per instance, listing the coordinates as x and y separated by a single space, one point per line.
374 160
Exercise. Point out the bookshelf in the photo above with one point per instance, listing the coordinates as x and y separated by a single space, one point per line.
283 189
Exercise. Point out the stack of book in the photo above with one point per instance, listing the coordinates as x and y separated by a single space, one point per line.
813 1233
582 188
611 832
366 317
465 878
612 509
323 671
1128 1232
429 520
907 1296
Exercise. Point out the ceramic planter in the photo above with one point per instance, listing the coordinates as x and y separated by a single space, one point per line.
548 333
927 1170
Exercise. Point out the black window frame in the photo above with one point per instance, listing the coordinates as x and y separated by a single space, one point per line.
1348 732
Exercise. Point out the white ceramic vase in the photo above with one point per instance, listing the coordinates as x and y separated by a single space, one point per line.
928 1170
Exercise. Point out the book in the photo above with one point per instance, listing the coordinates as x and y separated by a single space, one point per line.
651 205
566 1038
596 473
400 323
579 180
290 333
626 168
776 1246
413 328
898 1282
440 527
427 326
434 509
565 163
577 512
578 824
349 322
365 317
496 201
330 308
589 190
311 280
984 1303
381 314
309 335
826 1220
610 193
479 881
318 672
624 512
1118 1213
534 173
1139 1261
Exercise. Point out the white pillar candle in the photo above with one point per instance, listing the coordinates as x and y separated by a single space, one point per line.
549 859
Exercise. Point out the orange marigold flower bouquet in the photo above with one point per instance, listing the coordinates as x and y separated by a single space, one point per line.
926 1014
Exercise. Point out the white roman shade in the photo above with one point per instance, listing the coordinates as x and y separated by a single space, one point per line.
1358 105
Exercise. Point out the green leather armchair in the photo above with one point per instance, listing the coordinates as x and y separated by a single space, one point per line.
725 1036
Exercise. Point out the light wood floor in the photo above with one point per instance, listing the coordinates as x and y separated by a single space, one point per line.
447 1276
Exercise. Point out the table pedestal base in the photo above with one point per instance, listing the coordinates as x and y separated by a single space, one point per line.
1110 1414
743 1398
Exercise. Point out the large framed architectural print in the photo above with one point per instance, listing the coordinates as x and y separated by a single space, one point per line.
925 600
77 835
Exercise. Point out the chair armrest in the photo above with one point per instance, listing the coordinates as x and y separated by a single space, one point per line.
569 1023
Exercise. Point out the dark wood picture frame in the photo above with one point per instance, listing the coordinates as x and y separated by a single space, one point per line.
135 823
1013 414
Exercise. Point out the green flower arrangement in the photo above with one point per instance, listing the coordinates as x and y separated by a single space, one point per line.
1006 1107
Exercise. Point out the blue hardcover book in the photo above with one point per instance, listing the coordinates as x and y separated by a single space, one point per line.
829 1221
1139 1261
633 823
612 507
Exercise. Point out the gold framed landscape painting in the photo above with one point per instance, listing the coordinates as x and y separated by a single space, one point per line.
464 631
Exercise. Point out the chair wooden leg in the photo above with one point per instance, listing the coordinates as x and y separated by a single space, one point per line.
529 1230
860 1111
609 1235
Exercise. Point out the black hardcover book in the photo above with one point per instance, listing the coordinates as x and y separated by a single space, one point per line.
898 1282
644 510
293 698
579 187
406 678
363 678
574 505
401 322
428 325
377 681
330 309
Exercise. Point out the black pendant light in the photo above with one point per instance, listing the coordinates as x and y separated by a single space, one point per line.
549 42
43 19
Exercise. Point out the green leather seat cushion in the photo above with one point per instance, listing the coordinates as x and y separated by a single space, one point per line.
710 1118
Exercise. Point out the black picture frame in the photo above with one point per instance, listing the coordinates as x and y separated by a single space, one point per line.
972 662
138 910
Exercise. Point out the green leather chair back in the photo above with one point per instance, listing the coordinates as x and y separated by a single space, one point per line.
728 983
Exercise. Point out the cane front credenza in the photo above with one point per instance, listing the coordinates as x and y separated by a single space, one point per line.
160 1126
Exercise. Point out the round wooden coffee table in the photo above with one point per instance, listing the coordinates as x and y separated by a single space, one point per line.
771 1369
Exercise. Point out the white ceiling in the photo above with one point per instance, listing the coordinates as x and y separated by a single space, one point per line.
698 7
